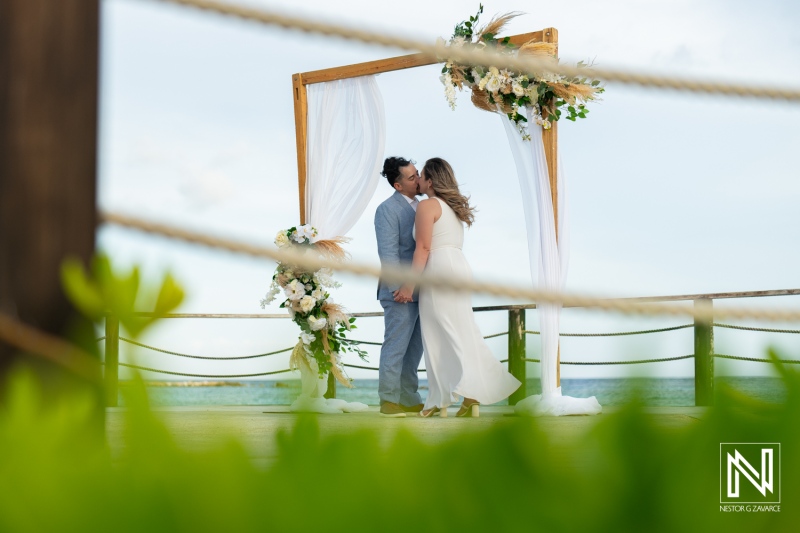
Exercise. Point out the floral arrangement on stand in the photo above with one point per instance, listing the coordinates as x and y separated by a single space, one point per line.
323 323
503 91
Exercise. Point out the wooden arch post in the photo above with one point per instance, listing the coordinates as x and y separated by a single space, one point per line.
300 98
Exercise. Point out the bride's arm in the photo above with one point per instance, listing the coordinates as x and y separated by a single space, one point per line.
427 213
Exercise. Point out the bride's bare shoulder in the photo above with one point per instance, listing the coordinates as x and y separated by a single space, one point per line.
430 203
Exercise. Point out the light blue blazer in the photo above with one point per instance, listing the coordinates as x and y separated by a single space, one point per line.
394 223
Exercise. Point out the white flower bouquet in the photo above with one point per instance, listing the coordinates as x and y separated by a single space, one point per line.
323 323
503 91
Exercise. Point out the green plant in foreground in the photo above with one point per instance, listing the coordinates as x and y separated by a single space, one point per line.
102 291
628 473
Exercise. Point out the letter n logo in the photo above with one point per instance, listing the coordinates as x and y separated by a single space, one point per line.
750 472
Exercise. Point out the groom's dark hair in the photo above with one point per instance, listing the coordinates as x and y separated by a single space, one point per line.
391 168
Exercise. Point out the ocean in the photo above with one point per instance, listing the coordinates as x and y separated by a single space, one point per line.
609 392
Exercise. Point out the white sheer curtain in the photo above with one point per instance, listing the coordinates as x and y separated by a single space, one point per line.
549 259
346 138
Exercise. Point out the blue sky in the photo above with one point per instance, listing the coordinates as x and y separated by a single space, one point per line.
669 193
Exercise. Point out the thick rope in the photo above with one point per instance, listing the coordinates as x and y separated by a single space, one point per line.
373 367
757 360
729 326
129 341
137 367
34 341
636 362
465 55
403 275
620 334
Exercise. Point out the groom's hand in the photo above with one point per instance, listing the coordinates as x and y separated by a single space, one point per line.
403 295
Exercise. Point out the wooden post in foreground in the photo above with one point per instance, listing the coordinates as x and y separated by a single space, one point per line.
516 352
703 355
48 139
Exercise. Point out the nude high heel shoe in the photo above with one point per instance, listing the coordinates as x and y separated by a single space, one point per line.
469 409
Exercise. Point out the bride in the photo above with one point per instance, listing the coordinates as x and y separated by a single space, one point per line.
458 361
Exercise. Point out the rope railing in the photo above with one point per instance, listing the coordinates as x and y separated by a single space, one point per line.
486 57
502 333
527 360
756 359
404 275
767 330
530 332
237 358
220 376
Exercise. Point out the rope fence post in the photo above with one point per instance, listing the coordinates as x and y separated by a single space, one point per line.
331 392
516 352
704 354
111 377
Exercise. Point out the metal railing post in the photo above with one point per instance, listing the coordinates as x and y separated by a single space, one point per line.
331 392
112 360
704 354
516 352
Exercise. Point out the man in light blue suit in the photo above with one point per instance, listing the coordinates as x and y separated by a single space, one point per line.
402 339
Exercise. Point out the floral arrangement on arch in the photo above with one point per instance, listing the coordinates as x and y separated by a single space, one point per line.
323 323
502 91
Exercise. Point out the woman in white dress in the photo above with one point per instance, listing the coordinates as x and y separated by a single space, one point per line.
457 359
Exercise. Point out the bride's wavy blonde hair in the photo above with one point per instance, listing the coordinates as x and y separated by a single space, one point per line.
445 187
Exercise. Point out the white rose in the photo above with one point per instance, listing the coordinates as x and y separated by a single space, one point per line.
317 324
298 236
307 303
493 85
294 290
307 338
281 239
493 71
519 90
323 277
318 293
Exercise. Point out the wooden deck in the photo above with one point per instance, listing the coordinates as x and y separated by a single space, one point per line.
202 428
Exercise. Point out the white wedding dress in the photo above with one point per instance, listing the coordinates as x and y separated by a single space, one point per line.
457 359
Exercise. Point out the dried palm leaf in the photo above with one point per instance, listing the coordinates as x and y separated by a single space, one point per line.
537 49
332 248
497 24
480 99
336 370
336 314
574 92
298 357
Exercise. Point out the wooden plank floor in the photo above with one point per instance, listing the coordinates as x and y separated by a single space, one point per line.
202 428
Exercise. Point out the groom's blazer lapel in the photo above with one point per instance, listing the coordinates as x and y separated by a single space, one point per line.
402 199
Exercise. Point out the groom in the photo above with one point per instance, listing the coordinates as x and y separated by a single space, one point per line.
402 340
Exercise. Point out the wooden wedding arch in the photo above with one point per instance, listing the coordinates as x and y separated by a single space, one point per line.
301 80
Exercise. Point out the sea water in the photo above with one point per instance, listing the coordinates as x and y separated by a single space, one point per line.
609 392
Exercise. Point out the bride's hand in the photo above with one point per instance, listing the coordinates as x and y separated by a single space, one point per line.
404 294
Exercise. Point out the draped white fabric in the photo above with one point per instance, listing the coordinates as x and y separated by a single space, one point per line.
311 398
346 138
549 258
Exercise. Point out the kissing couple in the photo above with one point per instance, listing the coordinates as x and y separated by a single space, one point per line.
428 236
